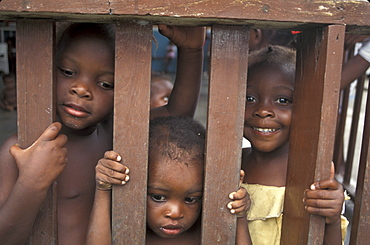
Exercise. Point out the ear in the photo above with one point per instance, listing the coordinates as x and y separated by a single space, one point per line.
255 39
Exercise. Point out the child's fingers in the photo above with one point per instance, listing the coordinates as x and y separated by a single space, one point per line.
14 150
105 176
166 31
240 194
325 200
239 206
326 212
112 155
51 132
241 201
242 174
331 184
112 169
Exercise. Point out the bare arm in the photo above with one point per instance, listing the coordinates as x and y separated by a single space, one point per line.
99 231
353 69
242 232
108 171
185 94
25 176
357 65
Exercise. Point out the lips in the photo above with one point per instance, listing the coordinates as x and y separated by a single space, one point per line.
75 110
172 230
265 131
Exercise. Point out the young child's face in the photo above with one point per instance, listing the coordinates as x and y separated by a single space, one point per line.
85 81
174 196
9 82
268 107
160 92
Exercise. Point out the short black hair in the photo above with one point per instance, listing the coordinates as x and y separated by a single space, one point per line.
176 138
78 30
274 55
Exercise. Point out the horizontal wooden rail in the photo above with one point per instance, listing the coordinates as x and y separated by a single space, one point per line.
262 14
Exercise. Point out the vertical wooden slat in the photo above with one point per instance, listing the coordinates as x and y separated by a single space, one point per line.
360 226
229 57
338 155
131 118
35 50
317 87
354 128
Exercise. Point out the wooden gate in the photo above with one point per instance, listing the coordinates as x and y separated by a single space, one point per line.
313 128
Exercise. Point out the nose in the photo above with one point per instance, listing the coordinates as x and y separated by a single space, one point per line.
81 90
174 211
263 110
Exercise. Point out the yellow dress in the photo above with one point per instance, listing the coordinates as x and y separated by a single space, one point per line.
266 214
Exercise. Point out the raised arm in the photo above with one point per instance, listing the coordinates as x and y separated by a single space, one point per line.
184 97
25 176
358 64
108 171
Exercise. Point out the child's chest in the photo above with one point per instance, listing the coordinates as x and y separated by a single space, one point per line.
78 178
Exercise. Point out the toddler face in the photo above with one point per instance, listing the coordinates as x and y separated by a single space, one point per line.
160 92
174 196
269 105
85 82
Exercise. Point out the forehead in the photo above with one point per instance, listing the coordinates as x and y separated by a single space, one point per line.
88 41
270 75
174 172
161 83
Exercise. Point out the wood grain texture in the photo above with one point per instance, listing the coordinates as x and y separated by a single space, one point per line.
36 110
56 6
360 226
255 13
131 119
315 107
227 88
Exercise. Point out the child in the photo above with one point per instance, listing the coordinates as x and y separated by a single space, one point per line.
267 121
175 186
85 82
160 90
358 64
8 100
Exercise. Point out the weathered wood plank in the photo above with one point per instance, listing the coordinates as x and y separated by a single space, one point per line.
131 118
229 57
360 227
297 11
316 95
56 6
36 111
280 13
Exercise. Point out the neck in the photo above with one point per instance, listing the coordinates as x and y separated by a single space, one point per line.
78 133
266 168
278 155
